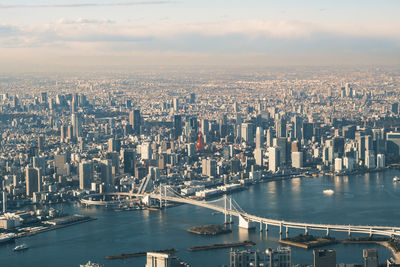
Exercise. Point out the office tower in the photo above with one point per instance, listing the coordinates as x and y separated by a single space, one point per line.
192 98
76 125
324 258
32 180
209 167
370 159
239 258
114 157
281 142
270 138
370 257
4 200
114 145
155 259
43 97
393 144
258 156
247 133
135 121
395 108
177 126
307 130
295 146
297 159
145 150
349 90
41 143
281 257
259 137
59 163
280 127
338 164
129 161
63 133
348 163
380 161
274 159
297 127
85 174
106 173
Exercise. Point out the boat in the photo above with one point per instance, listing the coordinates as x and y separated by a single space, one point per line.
21 247
328 192
90 264
396 179
4 238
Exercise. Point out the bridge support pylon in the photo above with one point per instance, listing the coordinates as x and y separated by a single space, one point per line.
261 227
266 227
306 230
244 223
280 229
327 231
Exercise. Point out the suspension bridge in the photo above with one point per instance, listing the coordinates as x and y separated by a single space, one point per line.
230 208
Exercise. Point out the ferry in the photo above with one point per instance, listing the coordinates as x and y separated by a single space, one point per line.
21 247
4 238
396 179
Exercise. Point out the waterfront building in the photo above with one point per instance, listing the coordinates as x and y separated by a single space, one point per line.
324 258
281 257
370 257
274 159
297 159
155 259
85 174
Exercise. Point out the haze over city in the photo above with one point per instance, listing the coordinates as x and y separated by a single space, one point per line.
68 35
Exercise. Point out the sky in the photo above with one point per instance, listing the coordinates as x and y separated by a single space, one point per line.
78 34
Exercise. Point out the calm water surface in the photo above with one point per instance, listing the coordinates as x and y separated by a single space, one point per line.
368 199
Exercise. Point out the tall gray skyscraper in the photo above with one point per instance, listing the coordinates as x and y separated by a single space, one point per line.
85 174
259 137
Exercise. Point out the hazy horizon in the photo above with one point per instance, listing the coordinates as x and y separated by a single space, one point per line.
83 35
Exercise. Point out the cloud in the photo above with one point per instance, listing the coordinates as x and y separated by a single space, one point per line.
75 5
85 21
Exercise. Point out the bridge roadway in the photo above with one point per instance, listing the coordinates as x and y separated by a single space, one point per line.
282 224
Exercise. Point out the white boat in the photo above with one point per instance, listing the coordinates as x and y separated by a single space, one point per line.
328 192
90 264
21 247
4 238
396 179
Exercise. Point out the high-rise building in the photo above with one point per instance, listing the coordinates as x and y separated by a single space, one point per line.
297 127
393 144
129 161
280 127
76 125
175 104
324 258
395 108
145 150
370 257
258 156
297 159
32 180
85 174
41 143
114 145
274 159
259 137
281 257
209 167
135 121
239 258
380 161
247 133
177 126
155 259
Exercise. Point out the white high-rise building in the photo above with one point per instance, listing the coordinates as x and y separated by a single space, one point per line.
145 150
258 156
370 159
348 163
247 133
338 164
274 159
297 159
380 161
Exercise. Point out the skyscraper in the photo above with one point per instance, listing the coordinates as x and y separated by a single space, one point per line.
32 180
280 127
76 125
274 159
324 258
85 174
177 126
135 121
259 137
370 257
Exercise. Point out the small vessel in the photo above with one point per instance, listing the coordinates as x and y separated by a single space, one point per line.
21 247
90 264
4 238
396 179
328 192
